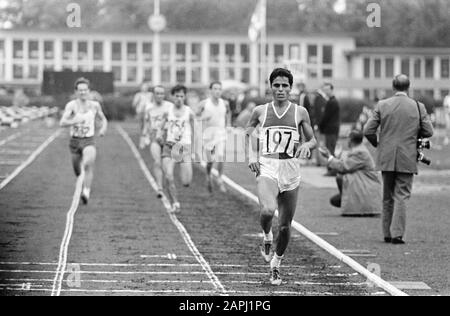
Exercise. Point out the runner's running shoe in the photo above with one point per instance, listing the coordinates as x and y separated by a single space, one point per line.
275 277
85 196
176 208
222 187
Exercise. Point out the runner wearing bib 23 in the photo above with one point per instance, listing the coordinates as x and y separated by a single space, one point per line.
80 115
154 123
275 152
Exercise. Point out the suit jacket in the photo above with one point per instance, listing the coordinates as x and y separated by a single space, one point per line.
331 118
361 191
319 104
398 119
304 102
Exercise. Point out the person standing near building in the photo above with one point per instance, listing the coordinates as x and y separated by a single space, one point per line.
319 103
402 121
274 158
330 123
215 115
80 115
141 101
303 100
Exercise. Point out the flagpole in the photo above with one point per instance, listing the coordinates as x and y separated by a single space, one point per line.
263 44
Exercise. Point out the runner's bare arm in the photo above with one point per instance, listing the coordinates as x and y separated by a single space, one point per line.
304 152
103 120
251 141
69 118
160 134
136 100
201 111
147 122
192 122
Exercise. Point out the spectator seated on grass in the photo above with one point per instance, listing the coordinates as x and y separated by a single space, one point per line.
358 182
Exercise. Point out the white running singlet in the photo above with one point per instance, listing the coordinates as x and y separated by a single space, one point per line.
86 129
179 128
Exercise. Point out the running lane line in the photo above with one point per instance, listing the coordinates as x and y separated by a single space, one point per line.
10 138
62 260
375 279
30 159
186 237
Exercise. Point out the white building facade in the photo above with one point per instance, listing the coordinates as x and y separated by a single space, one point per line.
196 59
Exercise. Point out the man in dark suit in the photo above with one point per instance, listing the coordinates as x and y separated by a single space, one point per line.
319 103
402 121
303 100
330 123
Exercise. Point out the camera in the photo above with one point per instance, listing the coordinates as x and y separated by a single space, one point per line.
421 145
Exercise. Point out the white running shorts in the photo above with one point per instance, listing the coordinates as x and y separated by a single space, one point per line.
285 172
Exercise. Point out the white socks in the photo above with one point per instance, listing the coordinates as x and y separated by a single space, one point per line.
87 192
268 237
276 261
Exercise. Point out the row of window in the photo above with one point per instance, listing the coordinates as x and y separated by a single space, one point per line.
130 51
169 74
416 67
373 94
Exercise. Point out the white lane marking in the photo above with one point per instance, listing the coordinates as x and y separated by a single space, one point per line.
190 281
163 265
62 260
187 238
260 293
10 138
164 257
30 159
322 243
337 275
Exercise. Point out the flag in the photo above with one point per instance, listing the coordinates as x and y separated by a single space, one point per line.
258 21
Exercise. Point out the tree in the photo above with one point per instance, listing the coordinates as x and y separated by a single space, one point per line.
404 22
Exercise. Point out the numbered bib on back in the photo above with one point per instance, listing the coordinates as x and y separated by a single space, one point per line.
279 140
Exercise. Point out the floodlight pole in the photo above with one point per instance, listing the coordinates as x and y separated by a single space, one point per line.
156 41
263 41
157 49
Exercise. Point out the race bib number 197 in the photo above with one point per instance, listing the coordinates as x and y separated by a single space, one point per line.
280 140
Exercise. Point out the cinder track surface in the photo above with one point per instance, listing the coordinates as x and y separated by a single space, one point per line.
126 243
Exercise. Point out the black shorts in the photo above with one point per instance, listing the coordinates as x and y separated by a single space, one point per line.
77 145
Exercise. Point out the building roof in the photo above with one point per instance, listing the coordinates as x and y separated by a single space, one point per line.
146 31
399 51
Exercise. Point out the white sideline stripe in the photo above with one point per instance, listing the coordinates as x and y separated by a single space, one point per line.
124 265
30 159
219 287
10 138
182 282
62 261
323 244
188 292
337 275
164 257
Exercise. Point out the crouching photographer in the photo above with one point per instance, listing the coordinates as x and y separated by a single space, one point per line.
404 124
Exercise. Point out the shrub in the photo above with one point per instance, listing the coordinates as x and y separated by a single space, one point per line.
6 100
351 108
117 107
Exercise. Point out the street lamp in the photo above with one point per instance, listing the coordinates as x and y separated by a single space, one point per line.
157 23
